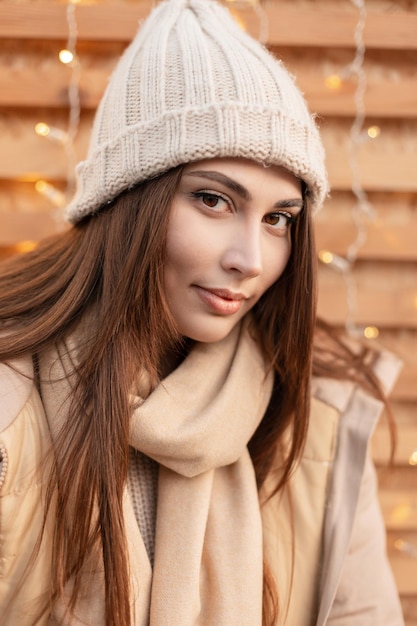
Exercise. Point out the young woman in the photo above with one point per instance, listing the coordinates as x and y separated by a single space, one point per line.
165 457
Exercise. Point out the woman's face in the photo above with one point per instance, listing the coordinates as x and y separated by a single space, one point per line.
228 242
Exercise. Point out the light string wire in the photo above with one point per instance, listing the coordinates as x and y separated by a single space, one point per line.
67 139
263 22
69 57
362 206
73 95
259 11
362 211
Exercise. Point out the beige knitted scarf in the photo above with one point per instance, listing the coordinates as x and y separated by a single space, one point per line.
208 543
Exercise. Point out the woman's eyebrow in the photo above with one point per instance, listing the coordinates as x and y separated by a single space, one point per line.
290 203
224 180
233 185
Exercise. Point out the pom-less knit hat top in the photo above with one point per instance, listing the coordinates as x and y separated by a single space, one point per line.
192 85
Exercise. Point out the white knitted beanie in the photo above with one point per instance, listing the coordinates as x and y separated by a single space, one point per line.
192 85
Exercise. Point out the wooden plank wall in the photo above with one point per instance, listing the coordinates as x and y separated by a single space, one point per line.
316 40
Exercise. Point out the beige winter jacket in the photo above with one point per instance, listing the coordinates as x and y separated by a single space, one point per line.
324 536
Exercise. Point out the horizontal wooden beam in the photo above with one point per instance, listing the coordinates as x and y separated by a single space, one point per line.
387 163
383 295
400 103
382 241
409 601
401 546
404 568
388 233
406 443
34 226
323 27
399 509
406 386
405 415
405 389
26 156
47 20
301 26
20 88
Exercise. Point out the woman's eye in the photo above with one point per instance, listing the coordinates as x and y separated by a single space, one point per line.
211 200
281 220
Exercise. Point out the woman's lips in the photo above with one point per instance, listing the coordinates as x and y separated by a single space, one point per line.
221 301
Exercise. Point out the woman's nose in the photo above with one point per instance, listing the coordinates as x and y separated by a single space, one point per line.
243 253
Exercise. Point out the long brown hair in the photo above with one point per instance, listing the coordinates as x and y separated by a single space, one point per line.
110 267
285 320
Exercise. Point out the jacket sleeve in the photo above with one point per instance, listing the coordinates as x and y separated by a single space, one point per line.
367 593
24 443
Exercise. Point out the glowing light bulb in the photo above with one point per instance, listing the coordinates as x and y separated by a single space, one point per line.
41 186
399 544
66 56
49 191
55 134
326 257
373 132
333 82
406 546
42 129
25 246
371 332
334 260
413 458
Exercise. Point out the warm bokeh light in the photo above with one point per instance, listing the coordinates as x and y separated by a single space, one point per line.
401 514
50 132
413 458
399 544
42 129
373 132
371 332
66 56
325 256
49 191
41 186
333 81
406 546
25 246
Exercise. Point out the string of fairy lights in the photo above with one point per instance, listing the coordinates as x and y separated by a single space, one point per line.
362 210
68 56
66 138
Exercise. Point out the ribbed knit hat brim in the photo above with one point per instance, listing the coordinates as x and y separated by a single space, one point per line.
192 85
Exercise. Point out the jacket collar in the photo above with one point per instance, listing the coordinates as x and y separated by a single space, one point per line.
15 387
359 413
